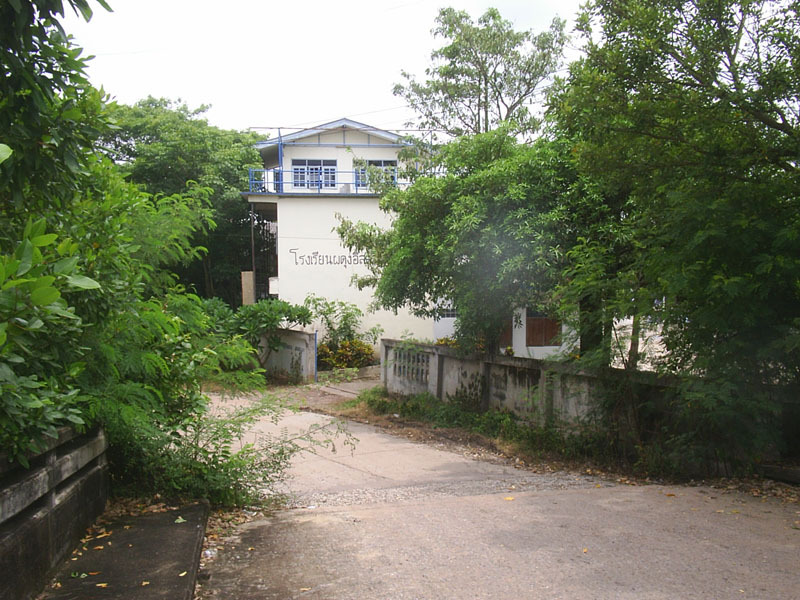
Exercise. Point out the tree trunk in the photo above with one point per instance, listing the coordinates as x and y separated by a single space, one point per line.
633 351
208 283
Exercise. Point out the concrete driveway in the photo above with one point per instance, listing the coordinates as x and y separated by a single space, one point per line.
397 519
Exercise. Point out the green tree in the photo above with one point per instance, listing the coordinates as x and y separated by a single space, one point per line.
688 108
162 145
89 333
482 236
487 73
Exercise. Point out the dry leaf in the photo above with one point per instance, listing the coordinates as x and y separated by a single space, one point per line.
508 498
94 572
144 583
102 585
669 495
182 574
98 548
585 550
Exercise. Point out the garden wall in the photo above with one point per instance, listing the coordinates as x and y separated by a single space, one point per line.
45 509
297 357
538 391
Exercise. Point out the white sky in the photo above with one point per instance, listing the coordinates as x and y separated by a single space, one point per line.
261 63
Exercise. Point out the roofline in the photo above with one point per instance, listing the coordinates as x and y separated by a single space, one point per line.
325 127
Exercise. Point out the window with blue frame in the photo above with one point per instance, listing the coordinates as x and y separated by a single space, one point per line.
313 173
387 166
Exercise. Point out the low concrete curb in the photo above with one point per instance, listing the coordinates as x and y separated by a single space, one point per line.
154 556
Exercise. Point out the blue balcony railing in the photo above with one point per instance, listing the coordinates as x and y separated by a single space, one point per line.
318 180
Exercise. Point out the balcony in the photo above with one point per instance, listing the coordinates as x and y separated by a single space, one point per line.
320 179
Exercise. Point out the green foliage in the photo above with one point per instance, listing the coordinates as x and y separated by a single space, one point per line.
222 318
485 75
207 458
351 354
260 322
341 321
484 236
93 330
163 145
687 111
343 345
37 367
501 425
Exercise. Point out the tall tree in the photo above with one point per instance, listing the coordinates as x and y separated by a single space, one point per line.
487 73
690 108
480 236
162 145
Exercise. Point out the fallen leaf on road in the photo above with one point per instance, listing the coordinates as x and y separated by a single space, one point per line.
305 589
98 548
144 583
182 574
508 498
669 494
585 550
180 520
102 585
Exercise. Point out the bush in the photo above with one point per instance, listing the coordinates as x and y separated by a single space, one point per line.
351 354
206 459
263 319
496 424
343 346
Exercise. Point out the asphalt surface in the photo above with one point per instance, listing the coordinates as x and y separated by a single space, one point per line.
398 519
151 556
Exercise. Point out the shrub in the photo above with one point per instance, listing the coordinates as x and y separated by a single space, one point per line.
263 319
349 355
343 346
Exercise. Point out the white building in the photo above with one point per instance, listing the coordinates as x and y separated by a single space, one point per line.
308 178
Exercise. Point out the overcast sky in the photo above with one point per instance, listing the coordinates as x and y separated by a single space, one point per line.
263 64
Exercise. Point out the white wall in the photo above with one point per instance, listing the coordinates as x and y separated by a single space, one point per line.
311 258
524 351
444 328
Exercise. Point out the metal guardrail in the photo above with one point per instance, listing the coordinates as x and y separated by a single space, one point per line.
314 180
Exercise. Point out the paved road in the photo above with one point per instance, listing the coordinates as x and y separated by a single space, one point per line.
397 519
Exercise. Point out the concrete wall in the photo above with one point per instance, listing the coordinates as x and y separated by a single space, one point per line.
312 260
537 391
45 509
297 357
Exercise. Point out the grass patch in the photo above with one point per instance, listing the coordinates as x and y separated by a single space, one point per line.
502 426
